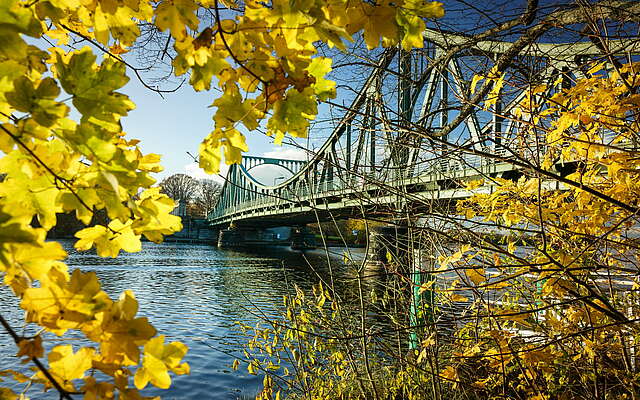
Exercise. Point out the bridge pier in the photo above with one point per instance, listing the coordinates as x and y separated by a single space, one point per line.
239 237
229 238
387 248
400 250
302 239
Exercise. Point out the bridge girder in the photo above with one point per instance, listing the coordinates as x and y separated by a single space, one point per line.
397 144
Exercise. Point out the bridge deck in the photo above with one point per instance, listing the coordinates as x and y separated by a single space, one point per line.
337 199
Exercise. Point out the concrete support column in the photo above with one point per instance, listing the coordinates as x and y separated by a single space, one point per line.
400 250
213 235
239 237
302 239
230 238
387 248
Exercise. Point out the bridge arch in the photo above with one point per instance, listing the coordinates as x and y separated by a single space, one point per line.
400 140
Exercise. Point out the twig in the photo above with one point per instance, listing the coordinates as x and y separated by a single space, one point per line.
16 338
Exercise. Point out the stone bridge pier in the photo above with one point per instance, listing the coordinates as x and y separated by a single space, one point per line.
401 251
302 239
298 237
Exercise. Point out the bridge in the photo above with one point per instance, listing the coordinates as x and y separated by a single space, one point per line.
413 136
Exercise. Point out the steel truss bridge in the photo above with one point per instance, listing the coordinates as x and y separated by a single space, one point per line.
412 135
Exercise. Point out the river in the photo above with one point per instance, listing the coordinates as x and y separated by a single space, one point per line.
194 294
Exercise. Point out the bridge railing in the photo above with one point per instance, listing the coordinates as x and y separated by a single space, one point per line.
292 194
437 168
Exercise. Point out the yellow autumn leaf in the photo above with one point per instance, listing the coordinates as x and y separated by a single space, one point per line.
323 88
175 16
36 261
458 297
30 348
389 257
515 316
474 82
595 68
88 236
476 275
413 27
7 394
494 94
480 384
251 368
63 303
158 360
474 184
426 286
375 20
153 370
449 373
67 366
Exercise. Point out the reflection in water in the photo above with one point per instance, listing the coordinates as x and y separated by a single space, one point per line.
195 294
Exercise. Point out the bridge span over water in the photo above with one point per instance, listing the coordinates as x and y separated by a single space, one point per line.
414 134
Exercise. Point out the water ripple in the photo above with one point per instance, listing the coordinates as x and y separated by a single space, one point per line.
194 294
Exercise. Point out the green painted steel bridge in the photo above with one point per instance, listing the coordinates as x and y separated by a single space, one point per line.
413 135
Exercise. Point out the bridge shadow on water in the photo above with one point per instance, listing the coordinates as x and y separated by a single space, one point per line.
334 266
348 273
384 293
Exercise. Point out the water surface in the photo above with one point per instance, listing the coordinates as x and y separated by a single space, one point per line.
195 294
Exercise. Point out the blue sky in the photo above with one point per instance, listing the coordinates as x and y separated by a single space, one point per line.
176 124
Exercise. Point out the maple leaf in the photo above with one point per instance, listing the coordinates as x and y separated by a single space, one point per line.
175 15
30 348
66 366
158 360
377 26
38 100
60 304
153 215
413 28
323 88
292 114
93 87
476 275
120 332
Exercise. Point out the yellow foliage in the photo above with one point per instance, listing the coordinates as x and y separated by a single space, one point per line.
30 348
158 360
458 298
265 62
67 366
476 275
581 227
7 394
449 373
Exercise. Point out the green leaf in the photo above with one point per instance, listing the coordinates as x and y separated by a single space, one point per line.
323 88
16 18
93 87
175 15
292 115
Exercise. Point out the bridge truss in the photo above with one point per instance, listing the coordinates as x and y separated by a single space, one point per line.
415 133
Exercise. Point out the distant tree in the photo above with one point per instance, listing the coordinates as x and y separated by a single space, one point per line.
207 196
67 224
180 187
